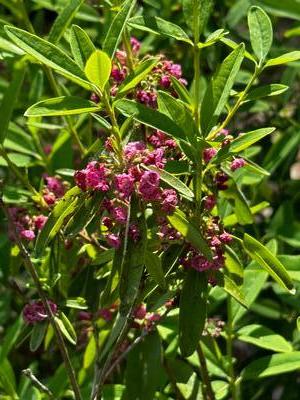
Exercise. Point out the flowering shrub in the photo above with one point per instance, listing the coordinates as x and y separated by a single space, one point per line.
135 241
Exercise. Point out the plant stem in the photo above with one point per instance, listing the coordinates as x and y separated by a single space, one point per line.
25 17
60 341
229 343
237 105
207 388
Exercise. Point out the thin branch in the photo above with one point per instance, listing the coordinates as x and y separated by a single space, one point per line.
39 385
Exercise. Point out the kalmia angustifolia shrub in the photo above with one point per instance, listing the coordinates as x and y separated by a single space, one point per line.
132 250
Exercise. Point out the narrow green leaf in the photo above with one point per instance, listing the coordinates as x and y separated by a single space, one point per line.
81 46
117 27
149 117
218 90
232 218
66 206
64 105
268 261
189 231
233 45
196 14
272 365
154 268
63 20
181 90
232 289
284 59
273 89
241 207
264 337
66 328
48 54
37 335
10 98
11 336
261 32
134 78
159 26
172 181
98 69
245 140
192 311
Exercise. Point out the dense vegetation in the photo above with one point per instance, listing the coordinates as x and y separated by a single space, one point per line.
149 177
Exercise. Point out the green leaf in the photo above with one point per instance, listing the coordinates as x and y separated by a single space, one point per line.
11 336
135 77
172 181
117 27
63 20
272 365
66 206
81 45
273 89
132 265
284 59
159 26
37 335
241 207
218 90
154 268
192 311
268 261
196 14
10 98
181 91
261 32
233 45
288 8
189 231
245 140
264 337
8 380
90 352
232 289
64 105
48 54
150 117
98 69
66 328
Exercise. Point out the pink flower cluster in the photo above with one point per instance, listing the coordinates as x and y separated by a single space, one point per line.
54 189
26 226
93 177
35 311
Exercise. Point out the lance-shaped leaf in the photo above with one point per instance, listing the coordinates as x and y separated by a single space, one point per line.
48 54
117 27
284 59
261 32
196 13
81 45
264 337
246 140
192 311
135 77
66 206
231 288
272 365
10 97
132 264
159 26
172 181
273 89
37 335
241 207
190 232
98 68
63 20
66 328
181 90
154 268
268 261
218 90
64 105
149 117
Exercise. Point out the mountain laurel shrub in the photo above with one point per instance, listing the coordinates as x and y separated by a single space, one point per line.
139 260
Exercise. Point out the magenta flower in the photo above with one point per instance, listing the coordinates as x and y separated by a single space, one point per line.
132 149
39 221
208 154
113 240
120 215
135 44
237 163
209 202
155 157
165 81
169 200
27 234
35 311
149 186
124 184
140 312
92 177
55 185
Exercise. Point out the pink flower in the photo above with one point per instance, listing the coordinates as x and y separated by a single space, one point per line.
27 234
155 157
140 312
221 179
92 177
237 163
106 314
106 221
169 201
120 215
209 202
226 238
124 183
118 74
35 311
47 148
135 44
165 81
95 98
149 186
208 154
55 185
176 70
113 240
121 56
134 148
39 221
